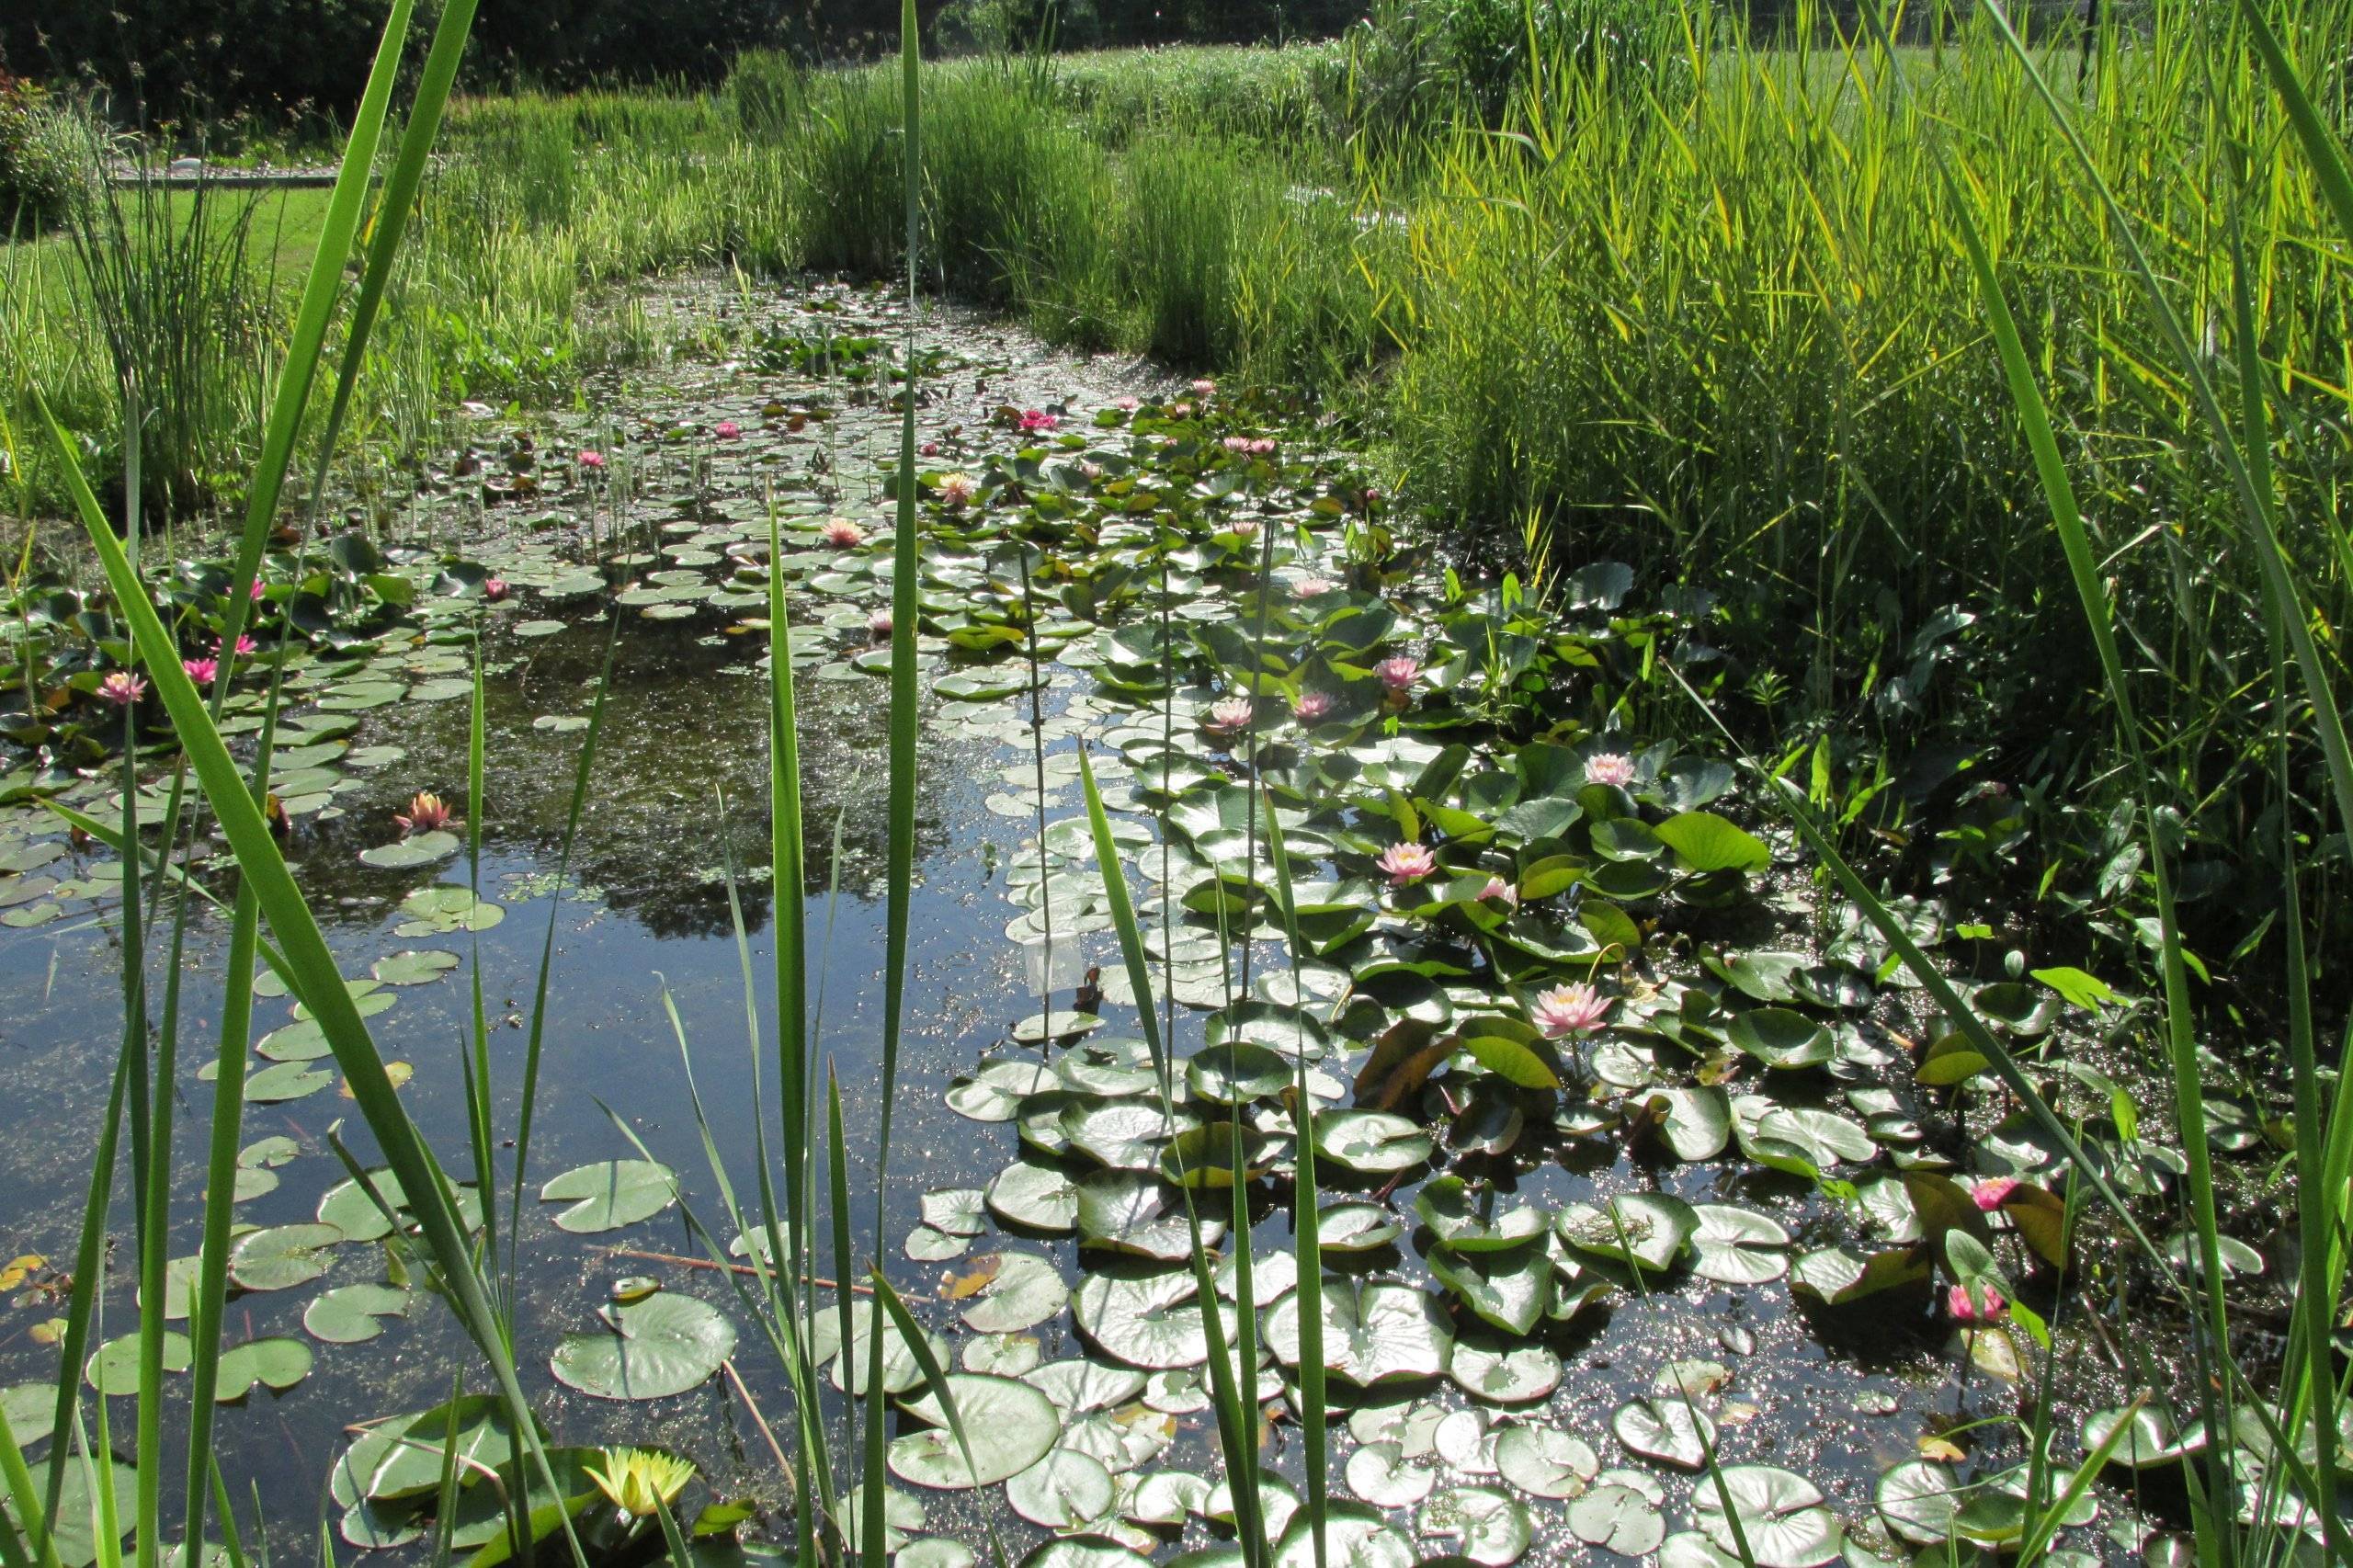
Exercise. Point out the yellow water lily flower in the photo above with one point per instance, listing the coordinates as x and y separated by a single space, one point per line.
642 1481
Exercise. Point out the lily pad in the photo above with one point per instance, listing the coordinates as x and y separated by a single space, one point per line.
1375 1330
1062 1491
277 1362
1020 1290
1355 1536
611 1194
1034 1197
351 1313
1665 1428
1545 1462
1371 1143
1492 1527
1619 1517
1782 1517
652 1348
1009 1424
1384 1477
282 1256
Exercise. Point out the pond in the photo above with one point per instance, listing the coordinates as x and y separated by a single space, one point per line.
1621 1118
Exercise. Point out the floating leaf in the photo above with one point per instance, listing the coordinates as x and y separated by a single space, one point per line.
1647 1229
1917 1500
1384 1477
113 1368
1835 1276
278 1362
1370 1141
664 1345
1545 1462
1782 1517
1149 1320
1781 1039
1507 1374
1494 1529
1355 1536
611 1194
1706 842
1665 1428
1738 1246
281 1257
1062 1491
1020 1291
1036 1196
1619 1517
349 1313
1374 1331
1009 1424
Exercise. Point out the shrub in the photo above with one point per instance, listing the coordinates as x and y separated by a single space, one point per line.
40 175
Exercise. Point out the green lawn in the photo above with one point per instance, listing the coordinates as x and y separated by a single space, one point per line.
282 233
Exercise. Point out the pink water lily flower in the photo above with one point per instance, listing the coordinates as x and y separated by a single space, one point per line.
1038 419
1397 674
1263 447
1609 767
1500 889
201 671
1312 707
1230 717
1311 588
929 448
727 430
1237 443
1204 390
1992 1192
122 689
1179 410
1244 528
1569 1010
591 461
1093 471
879 622
842 534
495 589
426 812
1406 864
1127 404
258 590
957 490
246 647
1983 1305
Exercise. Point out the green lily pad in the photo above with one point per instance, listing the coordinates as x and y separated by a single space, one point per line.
113 1368
1035 1197
1491 1528
1371 1142
1782 1039
1545 1462
351 1314
282 1256
1355 1536
661 1346
1666 1427
1062 1491
278 1362
1783 1519
1010 1425
611 1194
1375 1330
1021 1290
